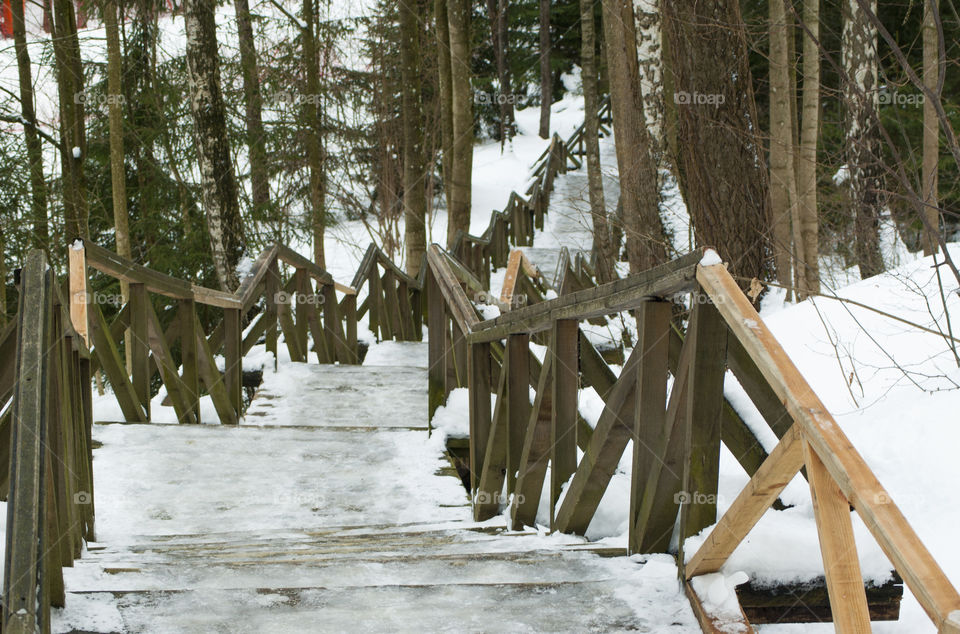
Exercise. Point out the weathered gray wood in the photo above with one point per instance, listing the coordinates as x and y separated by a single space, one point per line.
290 336
189 355
213 380
333 326
233 358
304 297
113 366
270 290
137 341
517 365
487 501
436 325
182 404
348 308
708 334
479 384
26 505
563 427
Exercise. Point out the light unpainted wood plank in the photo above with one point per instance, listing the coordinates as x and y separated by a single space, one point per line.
79 296
753 501
899 542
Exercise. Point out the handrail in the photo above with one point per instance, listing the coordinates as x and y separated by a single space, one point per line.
50 498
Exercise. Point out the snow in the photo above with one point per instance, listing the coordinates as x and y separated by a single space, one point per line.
710 258
76 152
718 594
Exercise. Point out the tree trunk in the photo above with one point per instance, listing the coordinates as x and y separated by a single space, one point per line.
497 11
931 130
66 50
546 78
650 54
414 159
218 182
38 188
783 174
461 167
314 134
253 113
446 95
591 143
719 153
118 173
862 145
646 240
809 136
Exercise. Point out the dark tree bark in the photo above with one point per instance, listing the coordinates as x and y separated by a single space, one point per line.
591 130
218 182
118 173
461 167
253 113
414 158
314 134
38 188
645 237
546 78
497 11
446 94
719 154
66 50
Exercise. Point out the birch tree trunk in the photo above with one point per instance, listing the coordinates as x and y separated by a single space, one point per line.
38 187
591 143
650 57
809 137
546 78
414 158
218 182
783 175
69 71
861 142
645 237
461 167
931 130
446 95
253 110
719 153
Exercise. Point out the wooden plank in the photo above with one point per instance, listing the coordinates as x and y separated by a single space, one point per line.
392 304
757 388
233 358
517 369
248 290
213 380
610 437
79 296
563 425
660 281
436 324
406 312
290 336
712 623
459 306
137 341
25 503
113 366
253 333
301 263
859 485
333 326
304 297
8 352
479 384
848 599
753 501
271 292
182 403
348 308
487 501
662 469
379 315
190 355
708 335
808 601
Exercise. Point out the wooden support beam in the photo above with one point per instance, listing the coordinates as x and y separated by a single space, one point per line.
333 327
494 470
707 333
214 380
137 341
233 358
479 384
304 297
113 366
848 599
271 292
189 355
348 308
176 390
712 623
79 296
436 325
536 452
517 369
563 427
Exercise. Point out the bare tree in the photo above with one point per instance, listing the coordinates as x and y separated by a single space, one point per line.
807 159
414 158
546 78
646 241
864 182
446 93
38 188
313 132
497 12
931 129
461 166
253 112
218 182
591 141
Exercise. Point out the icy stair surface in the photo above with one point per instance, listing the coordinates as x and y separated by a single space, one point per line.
331 510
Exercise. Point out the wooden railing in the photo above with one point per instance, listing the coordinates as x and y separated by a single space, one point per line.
305 306
393 298
50 508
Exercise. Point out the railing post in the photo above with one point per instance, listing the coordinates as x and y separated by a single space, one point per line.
79 297
349 309
271 291
437 325
479 384
233 358
518 410
138 342
563 436
707 333
189 355
304 295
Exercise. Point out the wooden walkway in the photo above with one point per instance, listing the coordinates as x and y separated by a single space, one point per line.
307 521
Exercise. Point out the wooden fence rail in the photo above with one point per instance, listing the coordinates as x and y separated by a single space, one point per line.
50 490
